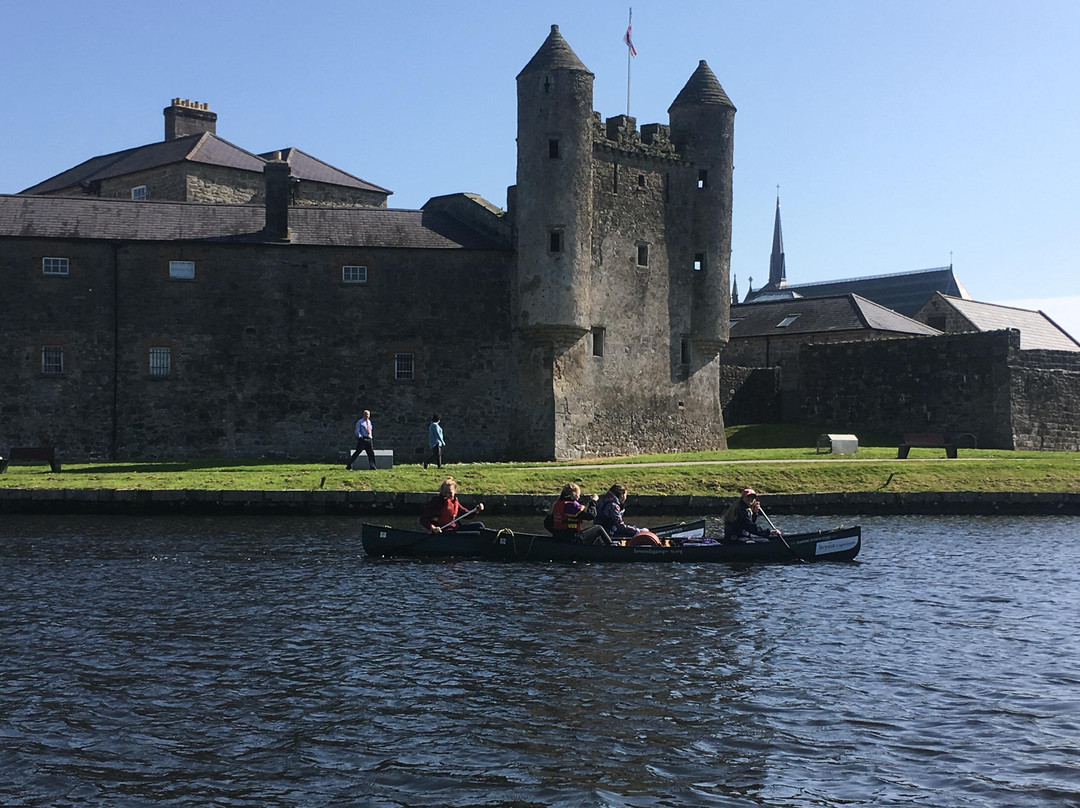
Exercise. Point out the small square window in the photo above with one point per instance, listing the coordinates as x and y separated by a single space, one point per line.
553 149
787 321
182 270
404 367
353 274
160 361
52 360
555 241
138 193
699 262
642 255
702 178
55 266
598 334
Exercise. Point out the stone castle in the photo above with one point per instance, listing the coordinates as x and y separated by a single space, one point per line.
191 299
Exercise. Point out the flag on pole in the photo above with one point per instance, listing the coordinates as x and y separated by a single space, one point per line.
629 42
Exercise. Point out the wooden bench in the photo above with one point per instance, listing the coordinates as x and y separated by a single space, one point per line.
925 440
25 455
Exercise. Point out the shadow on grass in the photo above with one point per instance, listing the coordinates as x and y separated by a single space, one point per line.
165 467
793 436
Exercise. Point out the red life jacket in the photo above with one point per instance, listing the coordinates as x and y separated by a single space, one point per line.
446 511
567 519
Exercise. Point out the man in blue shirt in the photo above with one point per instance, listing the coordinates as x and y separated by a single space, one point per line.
363 441
435 442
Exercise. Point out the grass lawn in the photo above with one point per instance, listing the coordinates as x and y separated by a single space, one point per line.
769 458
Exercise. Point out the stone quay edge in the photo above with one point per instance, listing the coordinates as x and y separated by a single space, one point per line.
372 504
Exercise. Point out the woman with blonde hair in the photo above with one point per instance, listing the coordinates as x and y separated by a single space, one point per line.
443 512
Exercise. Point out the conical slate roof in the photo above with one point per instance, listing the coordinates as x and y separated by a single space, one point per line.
555 54
702 88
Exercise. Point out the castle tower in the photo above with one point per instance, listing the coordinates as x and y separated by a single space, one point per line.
702 127
553 198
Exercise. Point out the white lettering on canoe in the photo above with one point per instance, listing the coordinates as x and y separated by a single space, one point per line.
835 545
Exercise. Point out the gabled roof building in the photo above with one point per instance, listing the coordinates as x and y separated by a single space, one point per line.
194 164
955 314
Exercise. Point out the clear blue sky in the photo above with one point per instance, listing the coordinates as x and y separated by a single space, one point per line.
902 133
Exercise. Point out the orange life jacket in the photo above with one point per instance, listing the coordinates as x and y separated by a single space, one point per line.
564 519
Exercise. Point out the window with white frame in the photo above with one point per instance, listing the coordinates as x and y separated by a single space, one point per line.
160 361
52 360
404 367
353 274
55 266
138 193
182 270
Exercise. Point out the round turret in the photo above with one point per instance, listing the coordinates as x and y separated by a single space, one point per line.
703 129
553 198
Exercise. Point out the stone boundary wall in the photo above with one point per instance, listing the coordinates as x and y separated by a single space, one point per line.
1046 400
373 504
954 383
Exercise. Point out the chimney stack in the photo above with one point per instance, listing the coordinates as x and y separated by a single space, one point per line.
185 117
279 181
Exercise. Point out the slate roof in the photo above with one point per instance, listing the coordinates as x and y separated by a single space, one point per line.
702 88
306 167
554 54
1037 331
904 292
205 147
124 220
821 315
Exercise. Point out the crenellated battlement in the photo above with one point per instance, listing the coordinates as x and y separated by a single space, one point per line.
621 132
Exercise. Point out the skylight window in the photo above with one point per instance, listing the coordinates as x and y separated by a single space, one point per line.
787 321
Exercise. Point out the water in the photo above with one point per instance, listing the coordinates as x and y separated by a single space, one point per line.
267 662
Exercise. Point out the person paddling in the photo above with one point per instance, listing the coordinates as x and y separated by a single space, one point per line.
443 512
740 520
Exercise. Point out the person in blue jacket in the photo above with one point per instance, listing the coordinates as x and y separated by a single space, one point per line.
610 511
435 442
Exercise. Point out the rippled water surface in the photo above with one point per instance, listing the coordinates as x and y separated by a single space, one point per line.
262 662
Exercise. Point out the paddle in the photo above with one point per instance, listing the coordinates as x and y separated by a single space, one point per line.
467 513
779 534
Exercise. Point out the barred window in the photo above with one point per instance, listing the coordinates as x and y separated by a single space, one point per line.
138 193
353 274
404 367
55 266
52 359
183 270
160 361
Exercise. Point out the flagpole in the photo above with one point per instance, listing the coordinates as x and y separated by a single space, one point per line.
629 47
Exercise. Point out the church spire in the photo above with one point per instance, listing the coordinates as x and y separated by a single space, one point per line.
734 291
777 269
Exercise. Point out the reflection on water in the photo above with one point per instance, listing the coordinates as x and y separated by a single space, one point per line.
263 662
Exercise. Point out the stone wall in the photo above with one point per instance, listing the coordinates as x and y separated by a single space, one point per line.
272 355
955 383
750 395
1046 400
